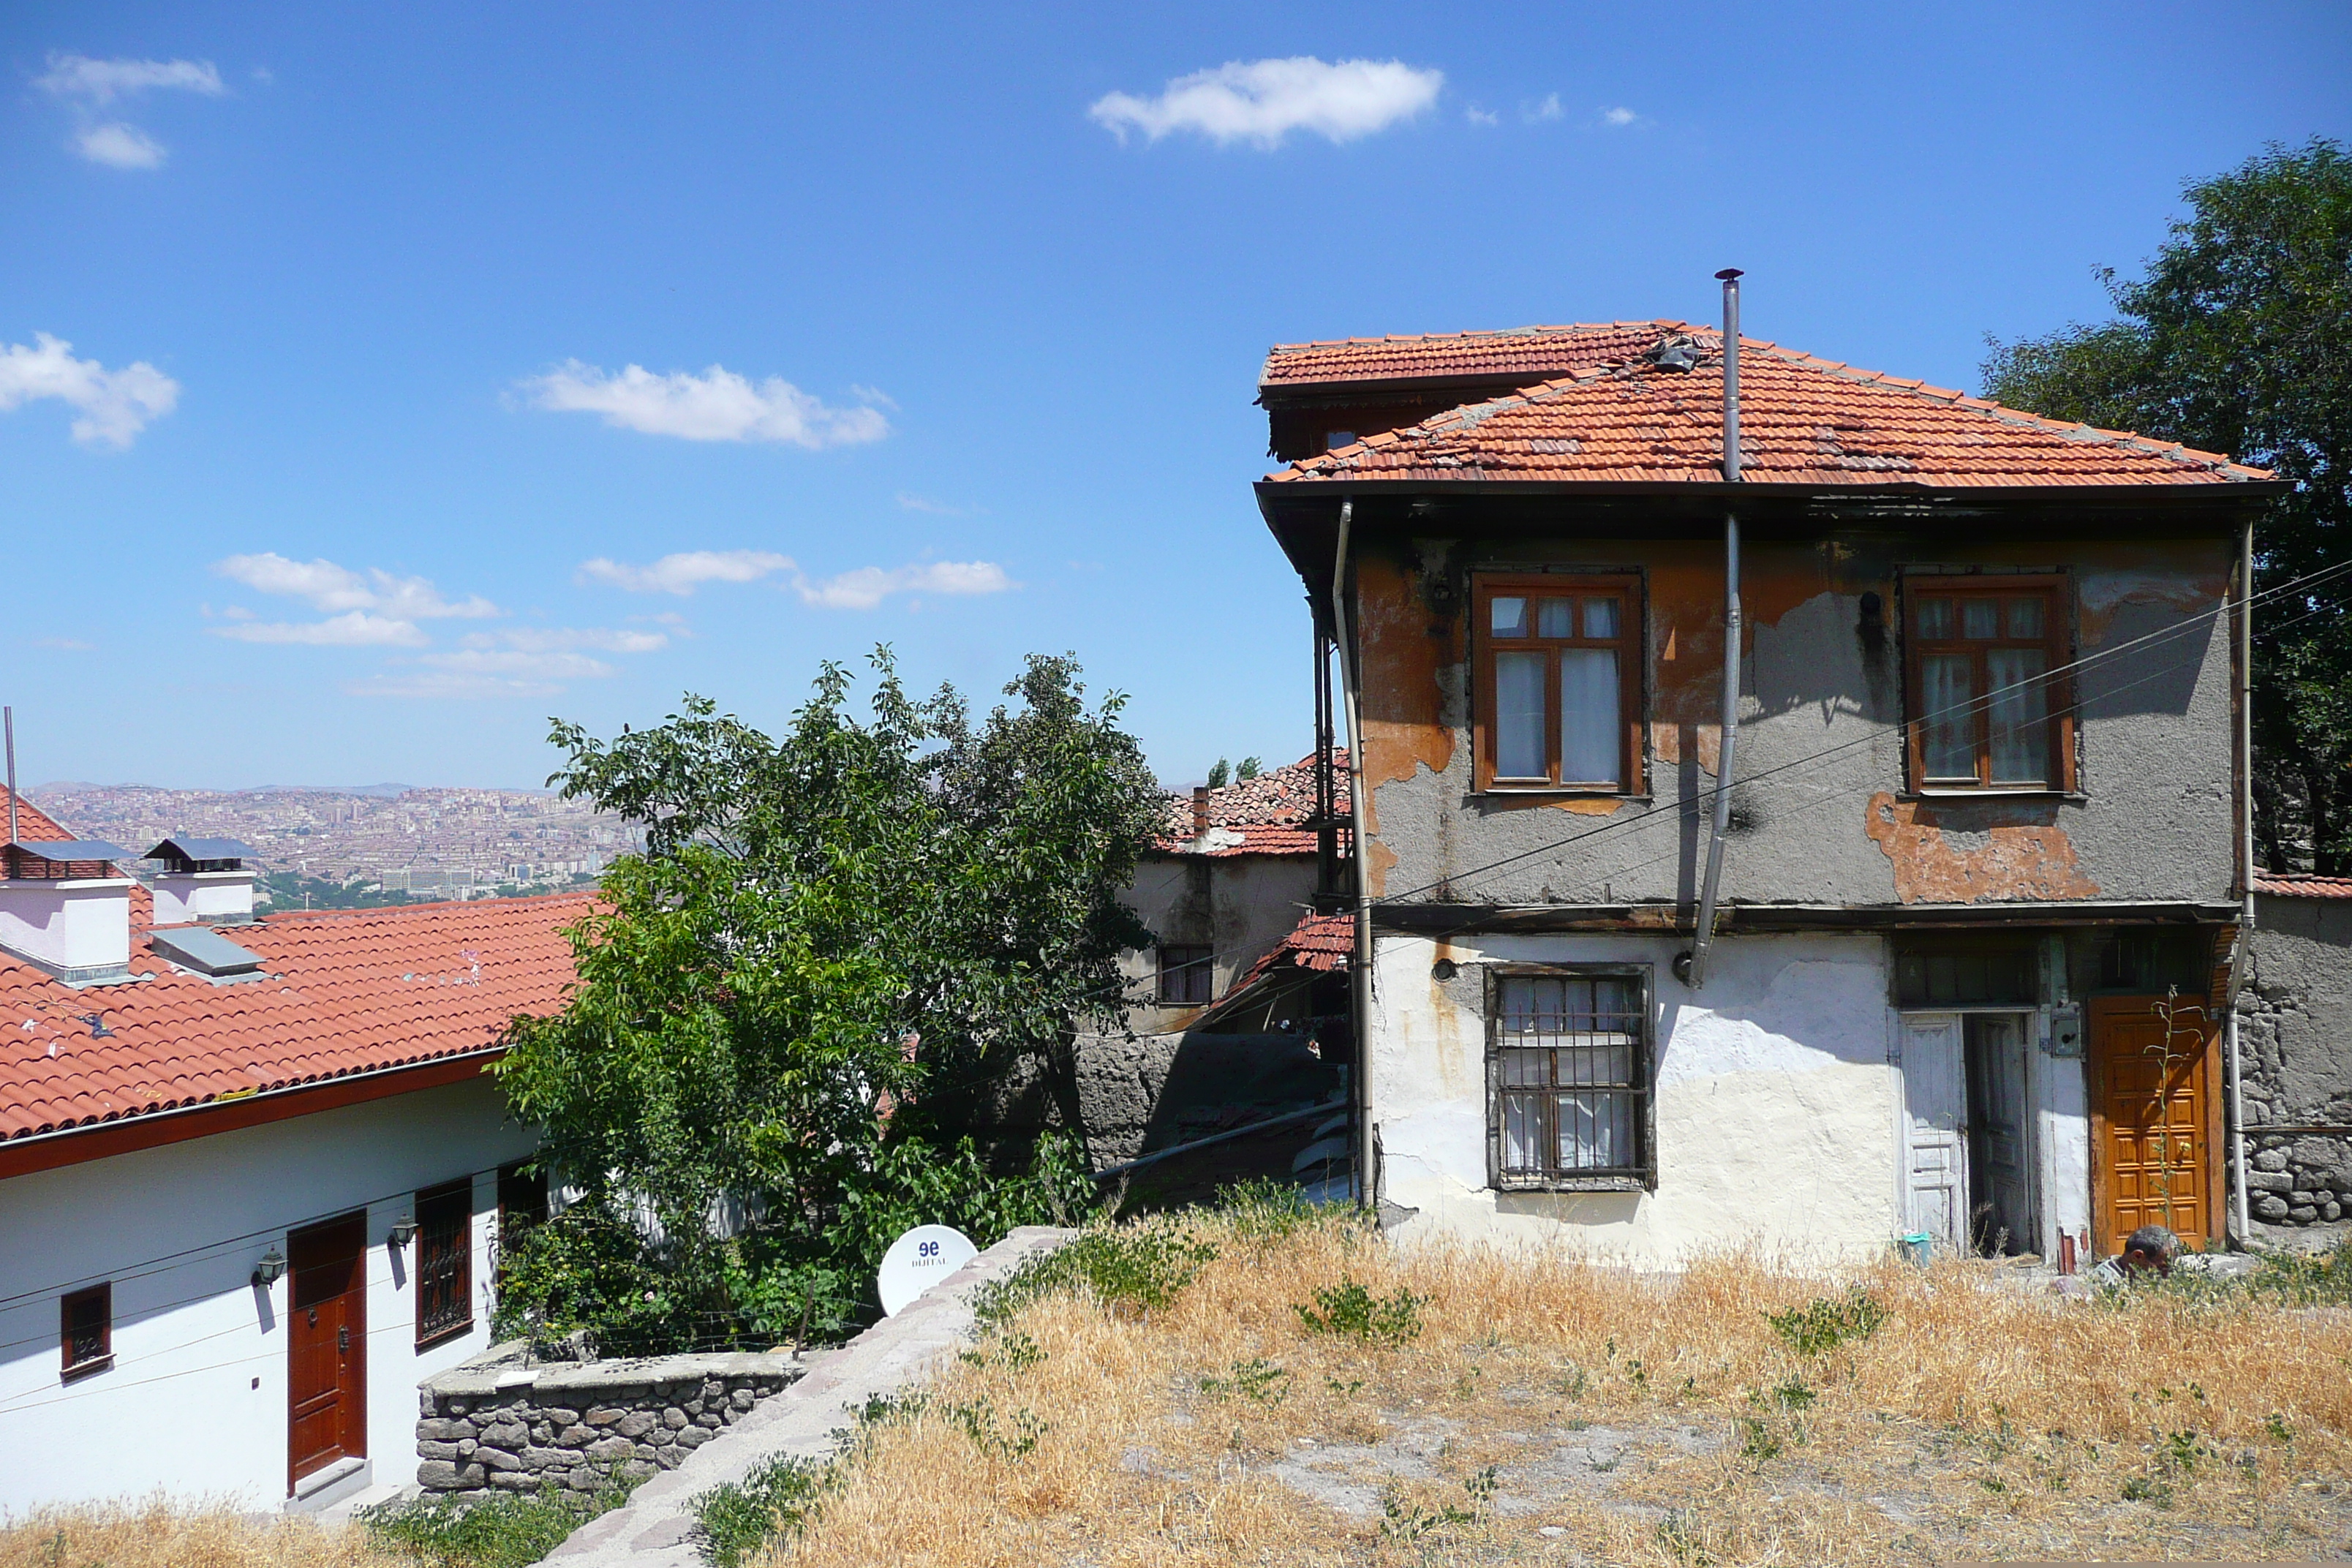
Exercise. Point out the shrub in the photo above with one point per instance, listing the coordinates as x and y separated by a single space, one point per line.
1348 1309
1264 1211
504 1531
1121 1266
734 1519
1821 1325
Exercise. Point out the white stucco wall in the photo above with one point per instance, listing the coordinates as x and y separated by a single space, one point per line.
195 1402
1776 1108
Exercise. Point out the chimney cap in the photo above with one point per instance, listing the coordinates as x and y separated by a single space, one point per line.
64 851
1729 273
186 846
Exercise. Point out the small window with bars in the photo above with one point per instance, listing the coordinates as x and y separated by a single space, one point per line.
1187 975
1569 1082
86 1330
445 1274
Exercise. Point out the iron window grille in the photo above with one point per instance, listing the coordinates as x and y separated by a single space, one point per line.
1569 1064
86 1330
1187 975
444 1285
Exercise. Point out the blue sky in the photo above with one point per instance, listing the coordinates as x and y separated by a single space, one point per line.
346 477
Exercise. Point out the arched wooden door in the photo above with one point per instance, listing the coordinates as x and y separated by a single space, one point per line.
2153 1119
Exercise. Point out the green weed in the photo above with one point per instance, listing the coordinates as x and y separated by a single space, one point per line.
503 1530
733 1520
1348 1310
1822 1325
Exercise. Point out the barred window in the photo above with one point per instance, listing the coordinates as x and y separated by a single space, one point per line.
86 1330
445 1282
1569 1077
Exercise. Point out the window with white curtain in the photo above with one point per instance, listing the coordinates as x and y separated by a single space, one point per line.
1558 682
1568 1079
1986 696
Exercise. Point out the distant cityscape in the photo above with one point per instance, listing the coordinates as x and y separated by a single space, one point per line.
381 845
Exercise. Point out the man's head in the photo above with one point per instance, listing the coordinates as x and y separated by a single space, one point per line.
2151 1249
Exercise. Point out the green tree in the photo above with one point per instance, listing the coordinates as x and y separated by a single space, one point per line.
829 935
1221 774
1250 768
2239 339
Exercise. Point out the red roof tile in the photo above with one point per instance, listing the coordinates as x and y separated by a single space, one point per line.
347 991
1263 815
1320 944
2296 886
1803 421
1528 353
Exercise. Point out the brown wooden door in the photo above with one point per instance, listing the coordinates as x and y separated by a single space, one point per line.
326 1346
2151 1118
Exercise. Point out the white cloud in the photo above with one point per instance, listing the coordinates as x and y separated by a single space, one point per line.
1619 117
356 629
64 645
556 639
914 503
103 82
717 405
328 587
1262 101
1477 116
449 685
120 146
517 662
1549 109
682 572
868 585
115 404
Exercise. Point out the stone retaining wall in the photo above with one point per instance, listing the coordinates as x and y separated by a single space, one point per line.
494 1423
2295 1019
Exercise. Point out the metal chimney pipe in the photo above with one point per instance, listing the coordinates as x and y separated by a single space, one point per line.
10 714
1693 970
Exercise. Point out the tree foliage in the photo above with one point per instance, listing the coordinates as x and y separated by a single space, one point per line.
828 933
2239 339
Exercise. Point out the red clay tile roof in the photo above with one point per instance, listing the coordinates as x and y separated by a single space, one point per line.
1528 353
1263 815
1803 421
2294 885
347 991
1320 944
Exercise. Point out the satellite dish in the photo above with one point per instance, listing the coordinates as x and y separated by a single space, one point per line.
918 1261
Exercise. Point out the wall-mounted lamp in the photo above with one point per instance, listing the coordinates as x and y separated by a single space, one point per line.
271 1267
404 1230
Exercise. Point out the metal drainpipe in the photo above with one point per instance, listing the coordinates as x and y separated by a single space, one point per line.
1703 940
1361 980
2240 1201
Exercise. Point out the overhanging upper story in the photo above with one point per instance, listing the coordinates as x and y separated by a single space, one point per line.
1987 669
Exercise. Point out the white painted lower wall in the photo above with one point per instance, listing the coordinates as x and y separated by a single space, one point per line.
195 1401
1775 1099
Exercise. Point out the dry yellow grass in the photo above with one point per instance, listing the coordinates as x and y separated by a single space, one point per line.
161 1533
1625 1420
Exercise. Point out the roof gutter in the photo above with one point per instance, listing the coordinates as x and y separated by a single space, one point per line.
1693 964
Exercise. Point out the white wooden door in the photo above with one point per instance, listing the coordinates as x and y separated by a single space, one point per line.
1935 1131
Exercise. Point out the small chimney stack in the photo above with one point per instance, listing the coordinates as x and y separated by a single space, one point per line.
63 906
1200 811
204 881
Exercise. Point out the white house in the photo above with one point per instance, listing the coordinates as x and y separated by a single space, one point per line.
251 1170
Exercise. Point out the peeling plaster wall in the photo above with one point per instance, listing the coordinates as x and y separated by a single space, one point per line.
2295 1036
1241 905
1775 1099
2155 819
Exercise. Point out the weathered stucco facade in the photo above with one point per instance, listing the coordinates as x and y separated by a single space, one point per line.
1982 1008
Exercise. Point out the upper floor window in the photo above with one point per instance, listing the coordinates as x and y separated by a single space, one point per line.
1984 657
1558 682
1187 974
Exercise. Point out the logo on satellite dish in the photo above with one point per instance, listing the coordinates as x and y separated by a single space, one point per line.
918 1261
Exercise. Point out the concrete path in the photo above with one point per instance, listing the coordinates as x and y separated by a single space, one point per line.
652 1530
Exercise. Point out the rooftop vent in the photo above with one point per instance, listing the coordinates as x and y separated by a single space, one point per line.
206 951
204 881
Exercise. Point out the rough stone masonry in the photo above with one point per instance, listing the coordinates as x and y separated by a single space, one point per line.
495 1424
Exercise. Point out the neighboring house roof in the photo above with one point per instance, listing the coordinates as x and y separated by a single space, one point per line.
1615 418
345 992
1268 814
2296 886
1529 354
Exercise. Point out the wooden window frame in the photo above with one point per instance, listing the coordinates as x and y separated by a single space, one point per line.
1630 643
1640 1176
71 1369
2057 644
1201 969
436 1207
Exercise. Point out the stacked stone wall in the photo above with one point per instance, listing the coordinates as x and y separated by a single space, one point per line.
494 1425
2294 1031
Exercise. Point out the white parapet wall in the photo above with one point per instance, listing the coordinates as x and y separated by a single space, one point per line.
1775 1125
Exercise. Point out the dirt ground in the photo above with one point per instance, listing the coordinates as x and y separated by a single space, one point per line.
1461 1406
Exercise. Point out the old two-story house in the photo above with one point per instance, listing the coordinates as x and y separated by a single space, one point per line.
252 1172
1953 956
